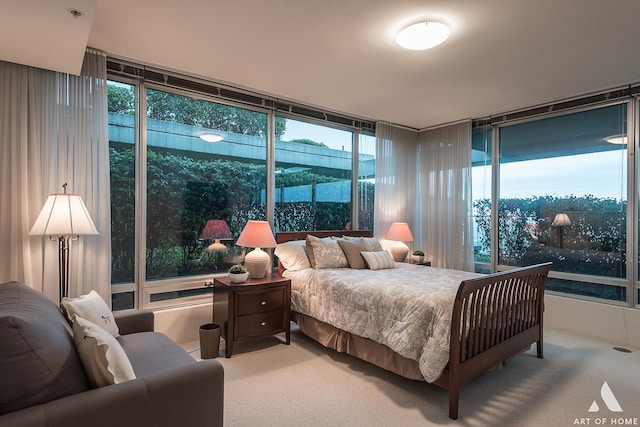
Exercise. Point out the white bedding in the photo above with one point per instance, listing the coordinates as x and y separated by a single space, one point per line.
407 308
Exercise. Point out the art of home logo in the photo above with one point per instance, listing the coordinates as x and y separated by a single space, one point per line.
608 399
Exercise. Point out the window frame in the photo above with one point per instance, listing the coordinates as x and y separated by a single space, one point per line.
632 282
144 289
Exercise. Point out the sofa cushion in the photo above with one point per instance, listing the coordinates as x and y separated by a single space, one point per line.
151 352
93 308
104 359
38 361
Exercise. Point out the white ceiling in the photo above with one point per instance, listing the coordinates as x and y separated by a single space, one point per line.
340 54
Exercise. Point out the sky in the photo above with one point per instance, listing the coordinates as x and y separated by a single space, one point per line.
600 174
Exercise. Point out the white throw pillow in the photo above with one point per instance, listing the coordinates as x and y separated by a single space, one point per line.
102 356
293 255
92 307
378 260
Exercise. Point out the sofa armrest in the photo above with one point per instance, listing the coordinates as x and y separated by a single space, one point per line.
132 321
191 395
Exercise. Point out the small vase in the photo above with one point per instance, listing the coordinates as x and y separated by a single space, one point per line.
238 277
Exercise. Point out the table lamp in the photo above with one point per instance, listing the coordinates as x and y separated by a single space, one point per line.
399 231
257 234
216 229
63 217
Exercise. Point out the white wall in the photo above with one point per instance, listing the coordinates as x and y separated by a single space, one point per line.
181 324
617 325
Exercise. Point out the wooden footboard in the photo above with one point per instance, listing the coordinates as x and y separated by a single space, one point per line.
494 317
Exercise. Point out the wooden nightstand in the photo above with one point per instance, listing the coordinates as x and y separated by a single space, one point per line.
253 309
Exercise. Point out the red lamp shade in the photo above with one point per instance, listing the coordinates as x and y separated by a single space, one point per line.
216 229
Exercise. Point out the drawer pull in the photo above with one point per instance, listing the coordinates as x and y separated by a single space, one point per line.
263 324
263 303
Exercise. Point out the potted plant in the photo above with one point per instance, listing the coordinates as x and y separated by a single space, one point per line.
238 273
417 256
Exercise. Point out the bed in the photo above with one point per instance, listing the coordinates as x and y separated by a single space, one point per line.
442 326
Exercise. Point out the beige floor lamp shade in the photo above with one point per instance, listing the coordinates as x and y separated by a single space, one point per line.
63 217
257 234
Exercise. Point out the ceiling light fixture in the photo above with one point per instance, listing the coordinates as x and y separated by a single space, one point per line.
617 139
423 35
211 137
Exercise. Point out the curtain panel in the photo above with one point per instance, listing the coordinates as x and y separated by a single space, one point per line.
53 129
444 196
395 190
424 179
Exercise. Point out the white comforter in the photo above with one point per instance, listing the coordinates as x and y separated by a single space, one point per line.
407 308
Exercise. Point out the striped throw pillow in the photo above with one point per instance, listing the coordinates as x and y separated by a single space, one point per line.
378 260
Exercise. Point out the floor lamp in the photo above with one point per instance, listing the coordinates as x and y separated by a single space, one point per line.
63 217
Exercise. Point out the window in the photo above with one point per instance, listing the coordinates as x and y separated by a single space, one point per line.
206 177
562 198
313 177
481 140
366 181
122 158
191 164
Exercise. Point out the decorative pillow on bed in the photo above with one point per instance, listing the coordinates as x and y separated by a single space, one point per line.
378 260
310 254
352 249
326 253
372 244
293 255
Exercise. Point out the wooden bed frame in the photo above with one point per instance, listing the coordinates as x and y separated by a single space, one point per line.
494 317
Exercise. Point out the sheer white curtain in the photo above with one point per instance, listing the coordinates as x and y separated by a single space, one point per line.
53 129
395 191
445 229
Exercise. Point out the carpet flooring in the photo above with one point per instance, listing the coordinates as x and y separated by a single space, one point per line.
268 383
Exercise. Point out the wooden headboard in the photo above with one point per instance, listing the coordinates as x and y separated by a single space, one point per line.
287 236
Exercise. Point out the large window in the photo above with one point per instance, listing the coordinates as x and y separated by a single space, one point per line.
122 158
191 164
206 176
313 178
562 198
481 171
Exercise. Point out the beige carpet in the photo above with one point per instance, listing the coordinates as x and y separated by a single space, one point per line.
268 383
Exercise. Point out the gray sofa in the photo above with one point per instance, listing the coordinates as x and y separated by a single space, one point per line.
43 382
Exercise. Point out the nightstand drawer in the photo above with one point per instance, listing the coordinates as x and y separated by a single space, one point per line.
260 301
259 324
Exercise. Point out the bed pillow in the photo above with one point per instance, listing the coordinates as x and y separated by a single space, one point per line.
378 260
293 255
352 249
102 356
93 308
326 253
372 244
310 254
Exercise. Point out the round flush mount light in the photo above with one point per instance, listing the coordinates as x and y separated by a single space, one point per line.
617 139
423 35
211 137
